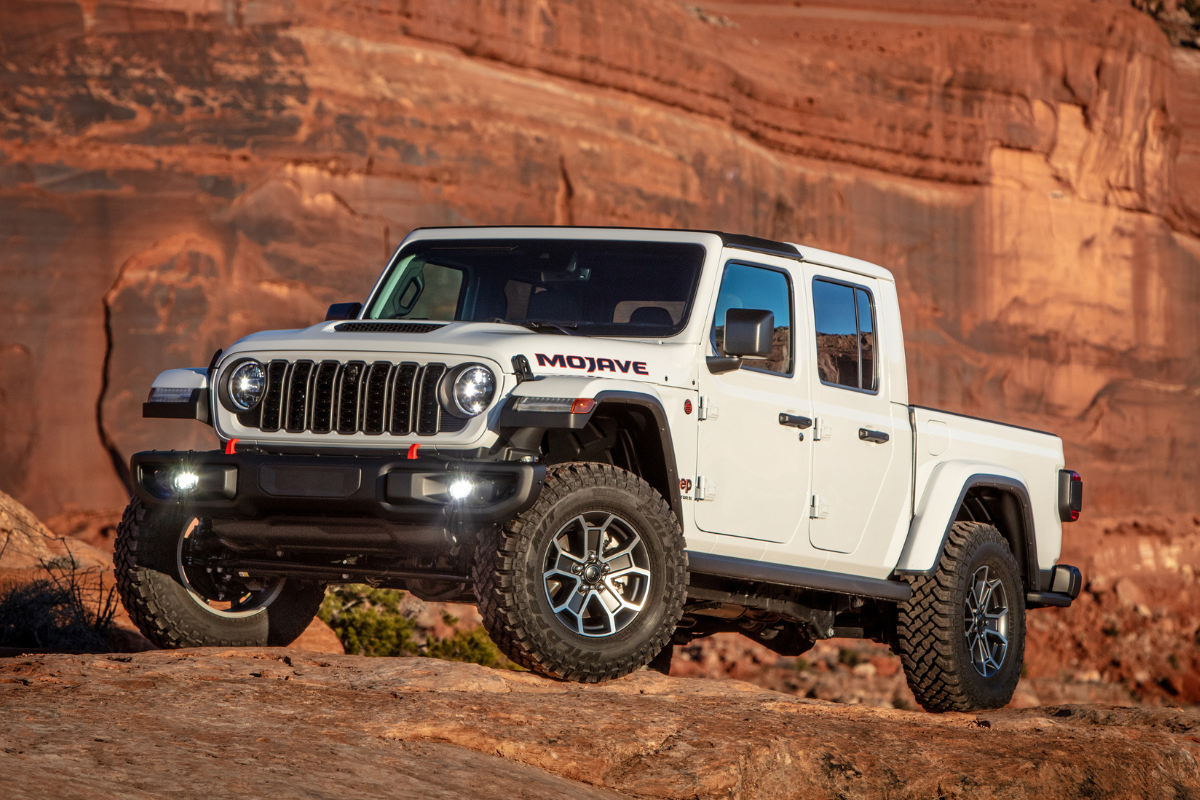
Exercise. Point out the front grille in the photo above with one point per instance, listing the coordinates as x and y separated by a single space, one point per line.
351 398
386 327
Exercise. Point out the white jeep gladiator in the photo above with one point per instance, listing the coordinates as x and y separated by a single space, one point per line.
612 441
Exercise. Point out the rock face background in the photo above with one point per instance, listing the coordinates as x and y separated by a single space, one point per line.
176 174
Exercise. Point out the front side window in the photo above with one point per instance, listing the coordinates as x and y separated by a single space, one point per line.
845 331
745 286
597 288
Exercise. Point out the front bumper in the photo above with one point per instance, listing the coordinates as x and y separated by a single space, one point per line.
389 488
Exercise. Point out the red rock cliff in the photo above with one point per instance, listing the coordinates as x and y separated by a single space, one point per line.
176 174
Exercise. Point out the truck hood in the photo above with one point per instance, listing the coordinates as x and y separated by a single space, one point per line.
669 361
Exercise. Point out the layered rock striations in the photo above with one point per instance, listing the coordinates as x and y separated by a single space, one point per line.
175 174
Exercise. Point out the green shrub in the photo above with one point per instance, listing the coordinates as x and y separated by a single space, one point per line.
369 622
473 647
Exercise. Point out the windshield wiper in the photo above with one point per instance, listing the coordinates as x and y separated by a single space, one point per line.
539 325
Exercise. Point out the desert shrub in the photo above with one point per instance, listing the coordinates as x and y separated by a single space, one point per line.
473 647
68 610
850 657
369 621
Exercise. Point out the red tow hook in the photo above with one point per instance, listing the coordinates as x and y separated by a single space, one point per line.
230 445
412 452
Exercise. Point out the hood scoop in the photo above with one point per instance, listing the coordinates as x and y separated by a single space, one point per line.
386 327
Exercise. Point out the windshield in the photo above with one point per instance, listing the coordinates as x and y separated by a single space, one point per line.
595 288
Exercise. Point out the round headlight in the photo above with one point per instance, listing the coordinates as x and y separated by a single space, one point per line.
474 389
247 385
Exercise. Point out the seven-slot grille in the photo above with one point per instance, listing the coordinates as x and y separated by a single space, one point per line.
352 397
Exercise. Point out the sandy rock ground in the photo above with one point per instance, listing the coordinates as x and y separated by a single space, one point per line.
272 722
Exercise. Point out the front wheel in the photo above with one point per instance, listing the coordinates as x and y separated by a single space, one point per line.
589 583
961 635
176 603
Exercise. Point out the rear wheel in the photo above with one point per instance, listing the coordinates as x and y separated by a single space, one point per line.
176 603
589 583
961 635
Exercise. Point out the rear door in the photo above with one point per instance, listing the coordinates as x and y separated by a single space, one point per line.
753 472
855 444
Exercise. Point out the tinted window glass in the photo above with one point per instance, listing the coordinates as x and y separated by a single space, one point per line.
600 288
754 287
845 330
866 338
439 296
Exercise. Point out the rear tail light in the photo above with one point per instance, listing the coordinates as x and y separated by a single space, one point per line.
1070 495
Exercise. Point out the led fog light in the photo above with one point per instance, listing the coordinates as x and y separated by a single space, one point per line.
196 482
461 489
185 482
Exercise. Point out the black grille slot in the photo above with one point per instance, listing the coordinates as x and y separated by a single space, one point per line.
375 397
428 408
297 397
386 327
323 386
372 398
402 399
348 395
272 402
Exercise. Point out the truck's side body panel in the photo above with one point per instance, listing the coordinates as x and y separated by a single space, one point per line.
951 450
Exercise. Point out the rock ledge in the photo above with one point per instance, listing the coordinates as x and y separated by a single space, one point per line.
199 723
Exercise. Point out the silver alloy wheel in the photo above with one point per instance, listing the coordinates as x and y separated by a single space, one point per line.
235 605
597 574
985 618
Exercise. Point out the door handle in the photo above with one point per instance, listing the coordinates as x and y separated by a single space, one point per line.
877 437
794 421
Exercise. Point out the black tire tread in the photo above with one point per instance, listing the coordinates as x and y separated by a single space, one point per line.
144 592
924 628
521 635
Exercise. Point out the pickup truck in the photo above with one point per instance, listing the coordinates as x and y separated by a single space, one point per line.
613 441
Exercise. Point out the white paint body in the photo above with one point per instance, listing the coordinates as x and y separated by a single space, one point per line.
761 477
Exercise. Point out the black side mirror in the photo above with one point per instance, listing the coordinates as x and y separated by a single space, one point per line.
748 332
343 311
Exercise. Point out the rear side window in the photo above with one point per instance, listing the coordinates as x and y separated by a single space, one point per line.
845 323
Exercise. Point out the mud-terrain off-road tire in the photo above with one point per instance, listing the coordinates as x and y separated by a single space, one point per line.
517 577
151 587
938 623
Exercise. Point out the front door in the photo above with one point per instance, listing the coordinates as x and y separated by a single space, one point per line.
855 442
754 471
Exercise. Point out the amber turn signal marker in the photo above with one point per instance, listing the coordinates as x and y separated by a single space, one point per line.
583 405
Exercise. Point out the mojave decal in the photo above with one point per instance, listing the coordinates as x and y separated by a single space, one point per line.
591 364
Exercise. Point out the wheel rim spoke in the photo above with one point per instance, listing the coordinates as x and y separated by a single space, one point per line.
621 573
597 574
985 620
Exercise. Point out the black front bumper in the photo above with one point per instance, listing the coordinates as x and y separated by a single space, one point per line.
389 488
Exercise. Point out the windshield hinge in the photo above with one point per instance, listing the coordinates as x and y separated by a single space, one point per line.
521 369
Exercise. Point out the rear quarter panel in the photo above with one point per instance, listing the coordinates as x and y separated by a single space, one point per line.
951 445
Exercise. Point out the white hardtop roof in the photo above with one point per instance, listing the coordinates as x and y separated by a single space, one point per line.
735 241
838 261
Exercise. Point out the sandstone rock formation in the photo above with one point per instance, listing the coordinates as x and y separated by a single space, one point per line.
195 723
177 173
